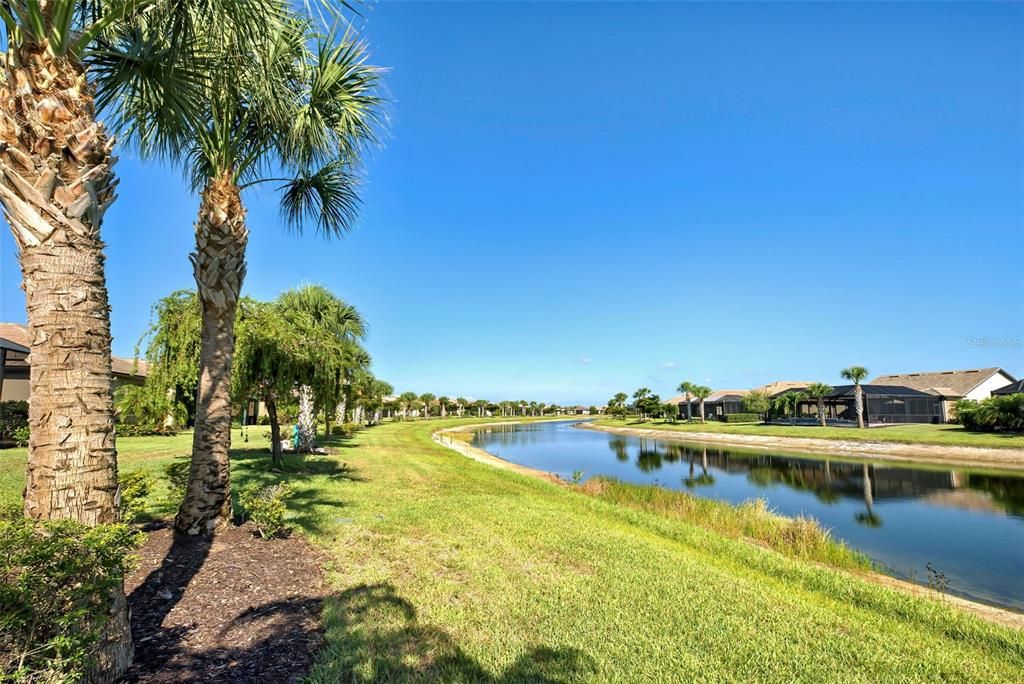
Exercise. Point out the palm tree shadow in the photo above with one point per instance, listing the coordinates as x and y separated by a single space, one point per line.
160 592
373 634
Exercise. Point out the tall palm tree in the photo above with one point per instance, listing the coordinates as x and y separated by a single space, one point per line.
701 392
856 374
442 403
818 391
686 389
280 106
64 61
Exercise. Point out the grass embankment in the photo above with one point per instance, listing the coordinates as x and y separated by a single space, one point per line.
800 537
943 435
445 569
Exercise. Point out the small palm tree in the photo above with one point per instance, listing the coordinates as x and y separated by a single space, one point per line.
702 392
428 400
442 403
856 374
818 391
686 389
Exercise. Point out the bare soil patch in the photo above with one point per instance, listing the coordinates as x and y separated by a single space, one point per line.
232 608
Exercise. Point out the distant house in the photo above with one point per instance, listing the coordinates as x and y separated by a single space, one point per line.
882 404
14 379
718 404
774 389
1013 388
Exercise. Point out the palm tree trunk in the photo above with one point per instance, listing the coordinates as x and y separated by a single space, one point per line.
307 419
821 410
702 410
171 396
858 403
219 267
56 182
276 457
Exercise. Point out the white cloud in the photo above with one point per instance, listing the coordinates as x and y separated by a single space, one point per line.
669 364
584 359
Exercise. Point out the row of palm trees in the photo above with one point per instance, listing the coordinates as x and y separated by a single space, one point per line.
235 93
427 405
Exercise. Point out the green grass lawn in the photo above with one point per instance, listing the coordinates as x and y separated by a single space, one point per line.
445 569
946 435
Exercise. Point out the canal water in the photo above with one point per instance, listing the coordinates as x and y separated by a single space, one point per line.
967 525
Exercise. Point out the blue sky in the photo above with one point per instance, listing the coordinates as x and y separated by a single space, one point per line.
576 199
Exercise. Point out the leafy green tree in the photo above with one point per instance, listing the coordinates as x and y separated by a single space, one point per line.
757 401
334 329
855 374
818 391
640 401
617 405
670 412
686 389
788 403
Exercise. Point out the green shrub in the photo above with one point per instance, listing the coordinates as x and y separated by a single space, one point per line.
140 430
55 579
21 435
177 478
337 430
995 414
265 507
135 487
742 418
351 428
13 415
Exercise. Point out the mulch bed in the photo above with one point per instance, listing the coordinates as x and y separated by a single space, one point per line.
234 608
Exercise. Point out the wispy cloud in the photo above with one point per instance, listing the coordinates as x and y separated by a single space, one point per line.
584 359
669 364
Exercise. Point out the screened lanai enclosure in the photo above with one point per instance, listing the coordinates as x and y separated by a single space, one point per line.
882 404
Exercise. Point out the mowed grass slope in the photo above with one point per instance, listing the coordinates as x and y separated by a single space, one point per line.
943 435
445 569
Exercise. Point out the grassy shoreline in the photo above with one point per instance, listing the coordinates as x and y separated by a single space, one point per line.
445 569
918 434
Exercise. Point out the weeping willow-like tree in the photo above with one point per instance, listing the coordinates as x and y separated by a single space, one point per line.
171 348
337 328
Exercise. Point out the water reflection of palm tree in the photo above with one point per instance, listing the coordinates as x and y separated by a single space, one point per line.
648 459
705 478
619 446
869 519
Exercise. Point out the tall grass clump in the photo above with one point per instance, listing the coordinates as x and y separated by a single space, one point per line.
800 537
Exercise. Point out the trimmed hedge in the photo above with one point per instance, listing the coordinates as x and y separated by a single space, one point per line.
742 418
13 419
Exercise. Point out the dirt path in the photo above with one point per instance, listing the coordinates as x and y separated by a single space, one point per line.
978 457
234 608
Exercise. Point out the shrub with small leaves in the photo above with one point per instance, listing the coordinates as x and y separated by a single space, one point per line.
135 487
55 583
177 478
265 507
21 435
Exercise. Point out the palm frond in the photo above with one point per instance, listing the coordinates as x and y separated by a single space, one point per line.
326 198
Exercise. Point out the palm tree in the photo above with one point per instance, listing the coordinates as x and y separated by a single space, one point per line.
334 328
428 401
406 400
460 403
686 389
443 403
819 390
64 61
856 374
638 400
702 392
283 106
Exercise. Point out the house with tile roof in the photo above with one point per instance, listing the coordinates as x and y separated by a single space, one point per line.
15 348
974 383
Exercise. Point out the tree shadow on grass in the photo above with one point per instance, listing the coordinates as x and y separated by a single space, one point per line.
373 634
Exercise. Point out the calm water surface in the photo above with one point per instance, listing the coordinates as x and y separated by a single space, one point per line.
968 525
